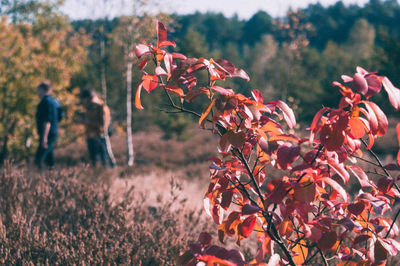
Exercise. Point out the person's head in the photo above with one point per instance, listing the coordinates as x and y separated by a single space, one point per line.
87 96
44 88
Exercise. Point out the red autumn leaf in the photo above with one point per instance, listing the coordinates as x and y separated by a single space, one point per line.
178 56
237 139
257 95
330 138
286 155
247 226
374 85
327 241
222 91
205 238
221 232
250 209
360 83
385 183
398 141
229 68
381 119
216 214
357 128
361 176
193 94
277 189
149 82
380 253
287 113
393 93
305 192
314 124
361 239
161 33
226 199
339 168
142 64
141 50
336 187
166 43
356 208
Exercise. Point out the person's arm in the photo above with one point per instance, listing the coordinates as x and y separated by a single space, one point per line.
45 135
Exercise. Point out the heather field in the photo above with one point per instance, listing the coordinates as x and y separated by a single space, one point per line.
144 215
75 214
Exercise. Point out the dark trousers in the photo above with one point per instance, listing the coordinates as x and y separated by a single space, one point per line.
46 155
97 150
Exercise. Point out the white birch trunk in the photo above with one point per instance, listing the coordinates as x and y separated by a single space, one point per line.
129 143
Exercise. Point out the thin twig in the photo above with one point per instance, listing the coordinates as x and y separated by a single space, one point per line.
393 222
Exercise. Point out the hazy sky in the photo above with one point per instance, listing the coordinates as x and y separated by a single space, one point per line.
78 9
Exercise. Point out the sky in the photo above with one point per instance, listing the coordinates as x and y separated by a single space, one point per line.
78 9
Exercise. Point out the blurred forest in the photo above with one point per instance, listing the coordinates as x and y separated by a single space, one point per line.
293 58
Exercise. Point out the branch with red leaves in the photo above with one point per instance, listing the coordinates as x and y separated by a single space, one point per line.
308 206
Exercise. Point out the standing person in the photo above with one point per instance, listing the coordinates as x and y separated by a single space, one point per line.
47 125
97 117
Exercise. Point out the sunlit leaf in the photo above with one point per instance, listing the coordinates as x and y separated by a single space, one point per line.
393 93
247 226
161 33
141 50
336 187
302 252
357 128
287 113
360 83
149 82
138 103
206 112
360 175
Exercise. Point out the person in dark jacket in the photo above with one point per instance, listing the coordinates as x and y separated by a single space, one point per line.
47 125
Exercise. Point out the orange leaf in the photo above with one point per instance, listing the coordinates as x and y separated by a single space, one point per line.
206 112
149 82
138 103
357 128
302 252
174 89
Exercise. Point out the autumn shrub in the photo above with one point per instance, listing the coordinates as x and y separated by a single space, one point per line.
68 217
305 212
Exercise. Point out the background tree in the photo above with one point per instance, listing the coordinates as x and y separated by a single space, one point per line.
44 48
